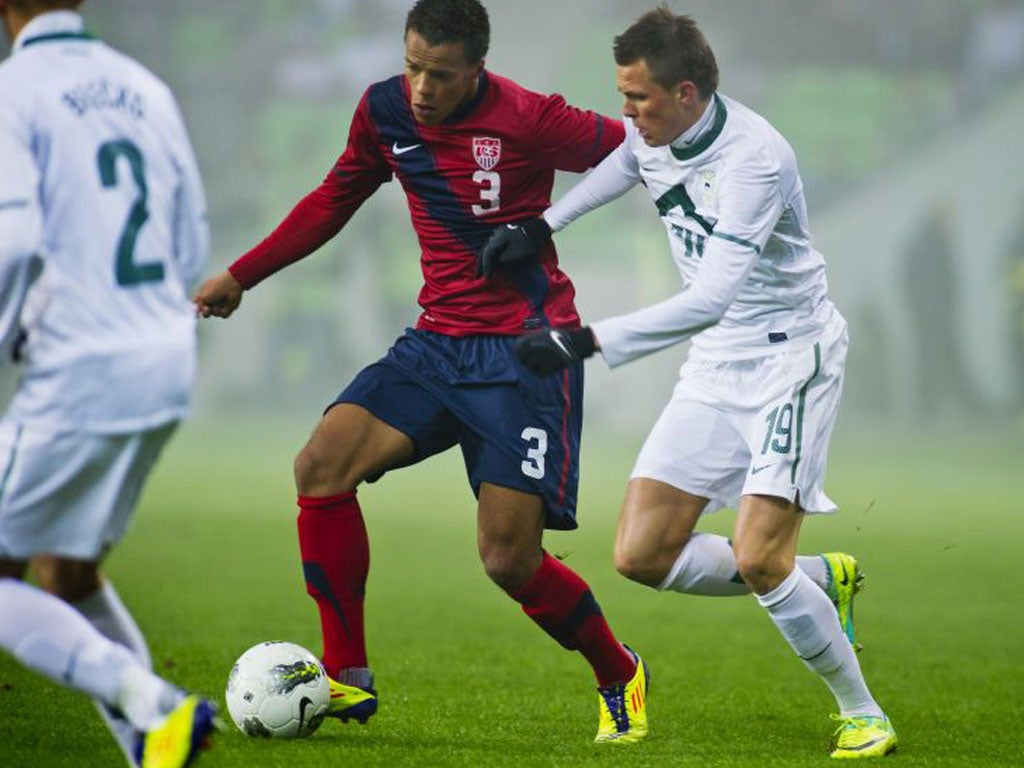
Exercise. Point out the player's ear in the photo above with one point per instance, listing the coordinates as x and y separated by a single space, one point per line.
686 93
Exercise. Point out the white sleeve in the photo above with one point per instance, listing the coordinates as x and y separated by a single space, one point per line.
613 177
20 234
191 222
750 208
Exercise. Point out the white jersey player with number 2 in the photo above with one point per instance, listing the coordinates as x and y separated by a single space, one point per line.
110 343
102 233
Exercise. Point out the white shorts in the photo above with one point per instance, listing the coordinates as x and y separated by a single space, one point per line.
70 493
759 426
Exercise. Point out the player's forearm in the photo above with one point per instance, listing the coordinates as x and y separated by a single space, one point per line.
314 221
611 179
697 307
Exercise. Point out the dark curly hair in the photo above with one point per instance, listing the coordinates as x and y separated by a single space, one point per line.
452 21
673 48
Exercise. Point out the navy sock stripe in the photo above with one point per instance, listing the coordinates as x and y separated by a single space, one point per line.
317 579
586 607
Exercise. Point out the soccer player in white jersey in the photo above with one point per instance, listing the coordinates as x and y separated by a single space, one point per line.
101 200
750 419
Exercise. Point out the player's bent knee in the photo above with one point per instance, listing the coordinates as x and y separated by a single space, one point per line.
508 568
316 476
639 568
761 573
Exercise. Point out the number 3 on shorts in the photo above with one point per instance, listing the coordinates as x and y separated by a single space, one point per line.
537 442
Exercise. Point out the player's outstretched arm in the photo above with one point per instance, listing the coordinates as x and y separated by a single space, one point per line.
512 244
219 296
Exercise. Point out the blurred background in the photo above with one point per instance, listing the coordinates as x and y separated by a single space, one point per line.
906 118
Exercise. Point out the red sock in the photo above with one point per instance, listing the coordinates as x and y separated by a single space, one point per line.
335 561
562 605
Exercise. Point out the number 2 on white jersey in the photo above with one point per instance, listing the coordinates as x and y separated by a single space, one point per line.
127 271
490 192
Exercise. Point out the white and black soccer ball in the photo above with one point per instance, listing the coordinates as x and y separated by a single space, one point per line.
278 691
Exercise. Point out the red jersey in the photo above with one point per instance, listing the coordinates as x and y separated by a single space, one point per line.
492 162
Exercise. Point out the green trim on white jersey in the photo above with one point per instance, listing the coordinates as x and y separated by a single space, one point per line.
57 36
705 141
800 402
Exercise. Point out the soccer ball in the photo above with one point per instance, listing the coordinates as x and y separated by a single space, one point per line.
278 691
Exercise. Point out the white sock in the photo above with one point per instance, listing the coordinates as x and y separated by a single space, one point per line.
46 634
808 620
816 569
707 566
105 611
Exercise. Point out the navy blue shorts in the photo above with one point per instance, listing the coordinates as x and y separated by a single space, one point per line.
516 429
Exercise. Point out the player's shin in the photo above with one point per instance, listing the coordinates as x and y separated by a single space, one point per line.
108 614
48 635
807 619
561 604
335 563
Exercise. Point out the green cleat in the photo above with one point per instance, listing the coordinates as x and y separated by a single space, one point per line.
863 737
624 708
844 581
176 742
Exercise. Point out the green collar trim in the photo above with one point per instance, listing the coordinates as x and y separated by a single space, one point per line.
57 36
705 141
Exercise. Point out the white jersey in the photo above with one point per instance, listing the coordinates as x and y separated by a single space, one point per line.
733 206
111 333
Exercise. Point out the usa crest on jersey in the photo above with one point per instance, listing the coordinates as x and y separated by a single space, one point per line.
486 151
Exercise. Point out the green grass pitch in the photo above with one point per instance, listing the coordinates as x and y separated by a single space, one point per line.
211 568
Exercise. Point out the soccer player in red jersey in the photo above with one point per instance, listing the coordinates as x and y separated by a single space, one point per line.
473 151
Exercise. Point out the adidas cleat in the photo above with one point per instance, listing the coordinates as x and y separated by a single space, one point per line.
176 742
844 581
863 737
624 707
351 702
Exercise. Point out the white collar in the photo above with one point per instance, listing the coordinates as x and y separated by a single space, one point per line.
698 129
49 23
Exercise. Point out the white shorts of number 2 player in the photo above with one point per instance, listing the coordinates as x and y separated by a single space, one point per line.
754 426
70 494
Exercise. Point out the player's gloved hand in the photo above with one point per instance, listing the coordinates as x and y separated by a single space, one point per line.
552 349
513 244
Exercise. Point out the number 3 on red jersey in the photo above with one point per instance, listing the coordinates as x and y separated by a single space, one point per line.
490 192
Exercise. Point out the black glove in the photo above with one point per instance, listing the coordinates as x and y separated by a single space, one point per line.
513 244
552 349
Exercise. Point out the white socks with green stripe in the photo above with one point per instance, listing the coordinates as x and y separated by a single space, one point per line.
46 634
707 566
807 619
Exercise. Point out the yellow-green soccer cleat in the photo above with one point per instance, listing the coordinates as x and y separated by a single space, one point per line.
844 581
350 702
863 737
176 742
624 708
